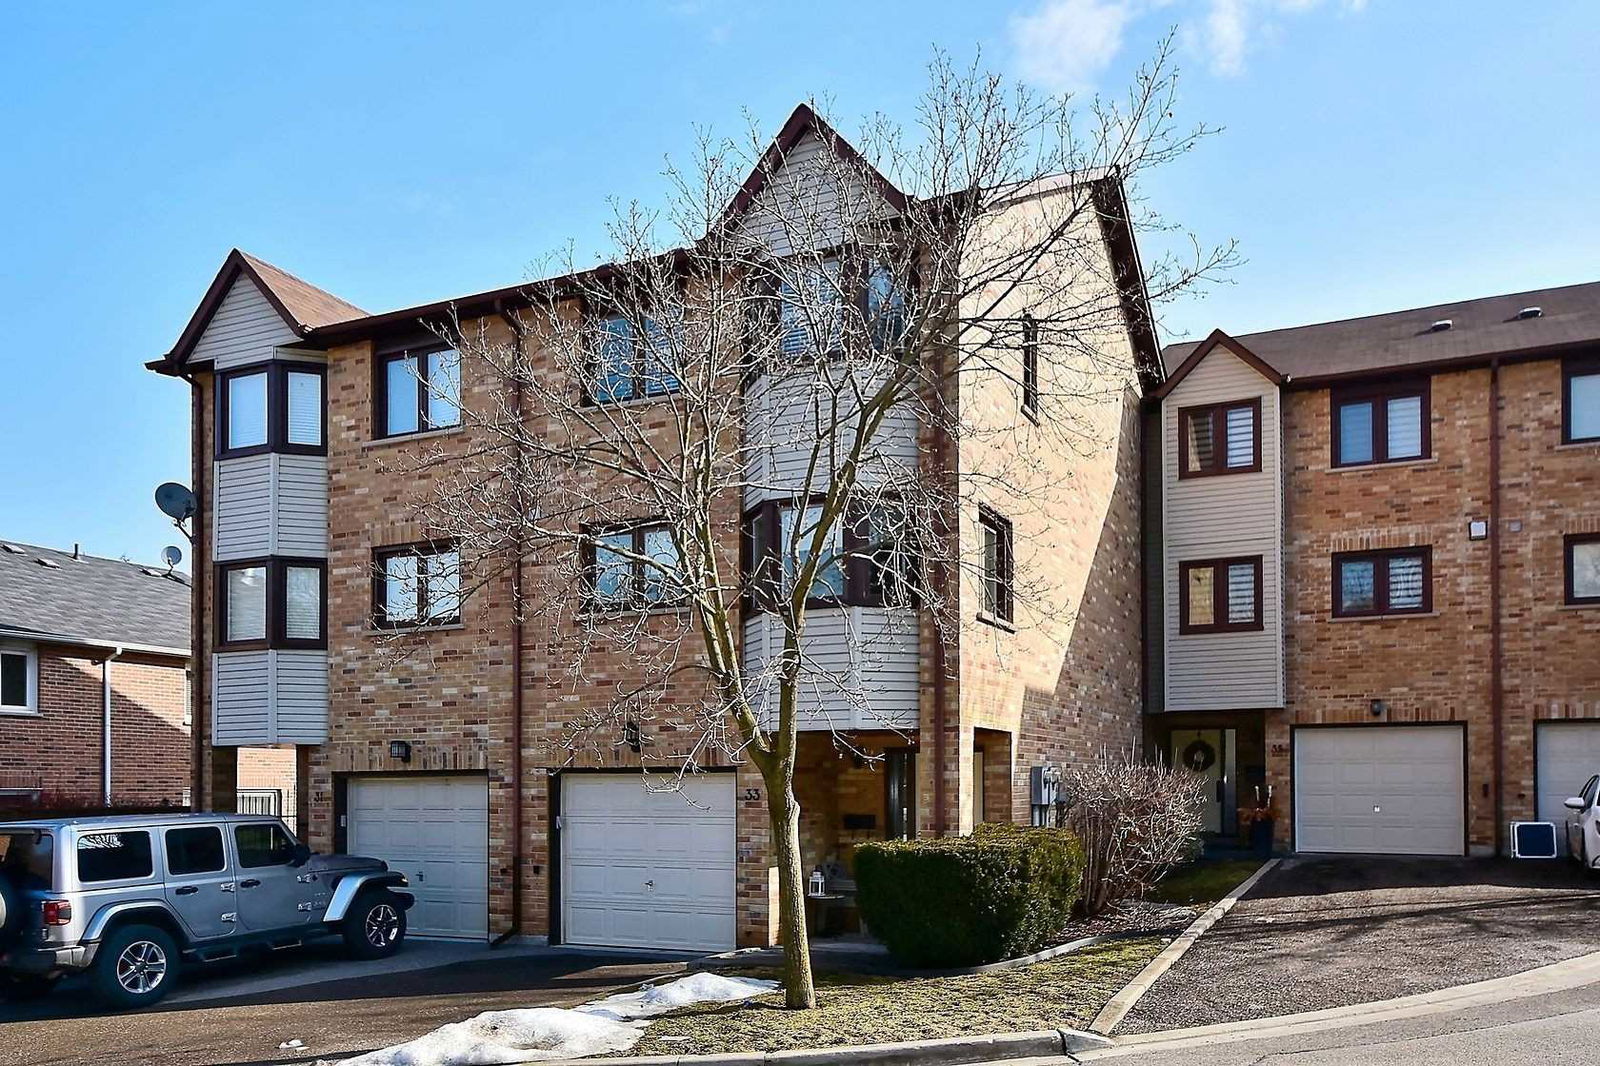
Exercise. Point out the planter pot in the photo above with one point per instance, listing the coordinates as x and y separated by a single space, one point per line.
1261 837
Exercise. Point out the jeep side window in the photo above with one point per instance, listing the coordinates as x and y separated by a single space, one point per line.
263 845
196 850
114 856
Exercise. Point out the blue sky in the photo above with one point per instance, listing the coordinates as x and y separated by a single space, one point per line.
1376 155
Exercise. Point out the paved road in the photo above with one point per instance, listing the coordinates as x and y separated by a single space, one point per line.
331 1018
1559 1029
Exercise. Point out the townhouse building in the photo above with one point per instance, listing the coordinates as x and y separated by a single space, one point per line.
448 760
94 688
1375 571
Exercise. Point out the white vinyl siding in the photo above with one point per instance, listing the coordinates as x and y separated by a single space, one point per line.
1235 515
861 667
811 202
269 697
786 420
245 329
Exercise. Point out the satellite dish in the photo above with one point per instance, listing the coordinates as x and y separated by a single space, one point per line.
172 555
175 501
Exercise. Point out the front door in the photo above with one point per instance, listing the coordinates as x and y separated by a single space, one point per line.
200 887
900 784
270 890
1205 751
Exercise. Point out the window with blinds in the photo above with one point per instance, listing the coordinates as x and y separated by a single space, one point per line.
272 603
1382 423
1390 581
1580 408
1220 595
272 407
416 585
1219 439
304 399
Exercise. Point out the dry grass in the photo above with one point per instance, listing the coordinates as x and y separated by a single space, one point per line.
854 1009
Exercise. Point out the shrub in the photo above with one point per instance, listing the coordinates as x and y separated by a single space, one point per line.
963 901
1136 821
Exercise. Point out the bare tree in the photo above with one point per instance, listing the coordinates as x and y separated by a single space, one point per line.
797 345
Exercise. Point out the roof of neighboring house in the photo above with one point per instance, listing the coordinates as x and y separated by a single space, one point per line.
1480 328
50 595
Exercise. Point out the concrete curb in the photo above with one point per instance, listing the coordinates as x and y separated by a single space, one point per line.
947 1052
1114 1011
1541 981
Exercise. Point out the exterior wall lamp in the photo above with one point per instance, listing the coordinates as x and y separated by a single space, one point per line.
400 749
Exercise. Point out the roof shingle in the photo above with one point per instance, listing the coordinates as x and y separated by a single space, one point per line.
91 599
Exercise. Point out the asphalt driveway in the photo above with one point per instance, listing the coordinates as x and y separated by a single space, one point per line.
243 1014
1329 932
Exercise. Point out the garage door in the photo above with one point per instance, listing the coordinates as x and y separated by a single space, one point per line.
646 869
1391 790
435 830
1567 754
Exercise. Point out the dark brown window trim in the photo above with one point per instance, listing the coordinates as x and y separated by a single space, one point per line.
1380 582
1217 413
1030 366
277 601
420 549
854 278
635 600
761 563
277 372
380 391
1004 608
1378 393
1575 366
1219 596
593 316
1570 542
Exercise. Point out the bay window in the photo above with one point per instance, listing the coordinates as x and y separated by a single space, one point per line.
272 602
869 556
1220 595
271 407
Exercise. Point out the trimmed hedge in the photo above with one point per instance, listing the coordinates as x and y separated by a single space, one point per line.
1003 892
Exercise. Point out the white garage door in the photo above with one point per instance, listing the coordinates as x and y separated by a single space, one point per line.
647 869
435 830
1567 755
1391 790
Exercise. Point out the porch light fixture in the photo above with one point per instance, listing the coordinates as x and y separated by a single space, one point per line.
1378 708
400 749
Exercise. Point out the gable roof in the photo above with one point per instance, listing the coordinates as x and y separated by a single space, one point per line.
53 596
1398 341
302 306
1198 352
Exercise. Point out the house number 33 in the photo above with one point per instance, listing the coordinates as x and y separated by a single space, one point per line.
752 793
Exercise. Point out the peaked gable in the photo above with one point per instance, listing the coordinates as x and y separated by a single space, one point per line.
301 306
1218 339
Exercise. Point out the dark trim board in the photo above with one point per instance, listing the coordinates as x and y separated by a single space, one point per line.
1294 769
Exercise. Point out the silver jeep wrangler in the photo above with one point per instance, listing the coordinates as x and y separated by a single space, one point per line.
128 898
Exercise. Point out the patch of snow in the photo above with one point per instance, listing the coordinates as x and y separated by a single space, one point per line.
544 1034
652 1000
536 1034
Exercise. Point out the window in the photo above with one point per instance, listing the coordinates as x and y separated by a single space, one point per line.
417 585
813 301
260 845
811 310
828 584
998 565
196 850
884 566
272 603
114 856
1220 595
1385 423
632 363
1580 408
1395 581
28 856
873 559
1219 439
418 391
19 679
1583 568
619 575
1030 365
273 407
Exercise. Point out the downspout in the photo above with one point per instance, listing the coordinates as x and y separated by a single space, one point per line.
1496 682
520 547
105 723
197 597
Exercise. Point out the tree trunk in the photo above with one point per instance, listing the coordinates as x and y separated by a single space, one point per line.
784 814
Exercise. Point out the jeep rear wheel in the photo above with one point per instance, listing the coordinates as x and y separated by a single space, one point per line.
375 926
136 965
10 914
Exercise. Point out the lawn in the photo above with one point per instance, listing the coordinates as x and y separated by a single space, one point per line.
1061 993
1204 881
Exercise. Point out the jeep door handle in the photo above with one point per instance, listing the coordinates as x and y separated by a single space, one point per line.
249 883
187 890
